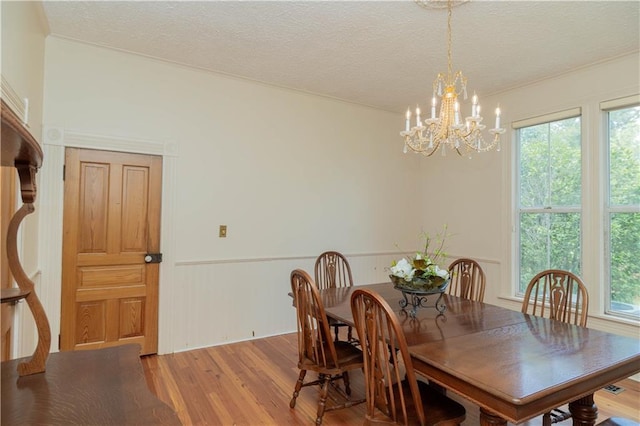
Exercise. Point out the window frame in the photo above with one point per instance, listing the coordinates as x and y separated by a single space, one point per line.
605 108
517 126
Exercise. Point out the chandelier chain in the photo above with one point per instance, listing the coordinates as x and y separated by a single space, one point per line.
450 66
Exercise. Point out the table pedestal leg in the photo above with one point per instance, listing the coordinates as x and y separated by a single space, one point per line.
487 418
584 411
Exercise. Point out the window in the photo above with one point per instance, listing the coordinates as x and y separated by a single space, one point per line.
586 221
549 195
622 209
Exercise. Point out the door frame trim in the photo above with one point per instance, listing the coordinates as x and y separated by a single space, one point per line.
55 141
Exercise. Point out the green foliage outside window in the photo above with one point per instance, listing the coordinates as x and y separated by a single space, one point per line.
624 206
550 198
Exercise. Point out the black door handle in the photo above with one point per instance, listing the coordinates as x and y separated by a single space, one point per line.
153 258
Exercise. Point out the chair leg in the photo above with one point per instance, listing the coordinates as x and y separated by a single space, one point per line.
349 334
546 419
296 391
324 393
347 386
336 331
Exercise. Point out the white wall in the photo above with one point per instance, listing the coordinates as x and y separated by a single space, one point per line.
476 196
290 174
22 58
22 67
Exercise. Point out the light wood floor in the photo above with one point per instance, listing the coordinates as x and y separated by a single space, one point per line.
251 383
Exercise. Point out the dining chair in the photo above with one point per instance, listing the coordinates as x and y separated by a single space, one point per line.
333 270
391 386
559 295
467 279
316 349
562 296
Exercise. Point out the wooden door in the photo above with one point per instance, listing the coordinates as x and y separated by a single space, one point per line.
7 209
111 221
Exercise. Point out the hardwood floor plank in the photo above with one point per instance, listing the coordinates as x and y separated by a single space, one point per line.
251 383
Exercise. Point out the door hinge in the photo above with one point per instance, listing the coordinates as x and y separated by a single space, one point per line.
64 171
59 342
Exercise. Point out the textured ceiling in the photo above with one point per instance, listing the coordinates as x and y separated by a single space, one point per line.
379 53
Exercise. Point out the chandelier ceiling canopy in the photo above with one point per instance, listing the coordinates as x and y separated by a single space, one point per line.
447 129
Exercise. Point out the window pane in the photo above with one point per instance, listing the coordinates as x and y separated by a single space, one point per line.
534 166
624 156
565 163
625 267
550 164
548 241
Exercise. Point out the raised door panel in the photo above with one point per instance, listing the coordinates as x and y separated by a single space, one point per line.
111 221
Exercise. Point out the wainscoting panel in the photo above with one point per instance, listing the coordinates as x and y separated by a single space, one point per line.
232 300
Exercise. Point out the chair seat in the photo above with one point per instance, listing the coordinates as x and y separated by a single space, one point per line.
334 322
438 408
347 355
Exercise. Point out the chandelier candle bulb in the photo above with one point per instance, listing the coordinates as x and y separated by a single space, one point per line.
474 106
433 107
498 118
418 116
408 126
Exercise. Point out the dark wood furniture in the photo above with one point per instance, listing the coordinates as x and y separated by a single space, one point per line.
467 279
513 365
559 295
332 269
19 149
317 351
99 387
391 386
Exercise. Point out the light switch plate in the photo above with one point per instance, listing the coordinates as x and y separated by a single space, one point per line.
223 231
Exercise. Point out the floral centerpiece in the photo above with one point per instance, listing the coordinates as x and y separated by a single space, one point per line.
420 271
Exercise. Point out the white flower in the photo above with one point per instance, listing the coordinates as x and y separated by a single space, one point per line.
442 273
403 269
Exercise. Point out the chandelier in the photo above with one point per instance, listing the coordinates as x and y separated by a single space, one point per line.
448 129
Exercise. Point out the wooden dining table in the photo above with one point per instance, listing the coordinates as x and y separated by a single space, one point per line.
512 365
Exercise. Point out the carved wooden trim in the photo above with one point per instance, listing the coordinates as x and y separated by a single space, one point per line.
19 149
27 175
39 358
